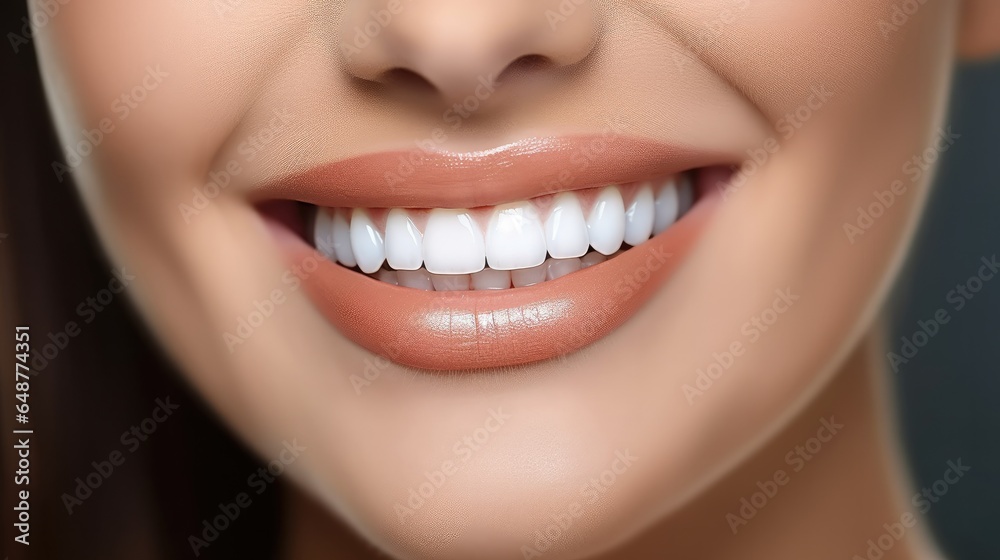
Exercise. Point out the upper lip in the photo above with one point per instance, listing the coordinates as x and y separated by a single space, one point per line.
519 170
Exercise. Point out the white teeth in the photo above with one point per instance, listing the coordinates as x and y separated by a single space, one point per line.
590 259
606 224
342 240
528 276
519 247
323 234
453 243
514 237
490 279
403 241
667 206
451 282
366 242
557 268
417 279
566 228
639 217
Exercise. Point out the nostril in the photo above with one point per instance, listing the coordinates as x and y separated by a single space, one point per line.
407 80
447 51
525 66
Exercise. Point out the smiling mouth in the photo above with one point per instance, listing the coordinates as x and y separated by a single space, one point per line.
498 258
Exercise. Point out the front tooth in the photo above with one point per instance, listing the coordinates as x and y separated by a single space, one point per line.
639 217
366 242
524 277
566 228
451 282
489 279
323 234
342 240
514 237
403 241
453 243
418 279
606 224
667 205
557 268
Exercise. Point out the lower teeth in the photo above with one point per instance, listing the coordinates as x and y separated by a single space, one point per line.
488 278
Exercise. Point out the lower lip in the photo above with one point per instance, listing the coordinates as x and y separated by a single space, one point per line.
472 330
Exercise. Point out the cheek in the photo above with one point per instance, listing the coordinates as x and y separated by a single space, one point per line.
162 91
776 51
854 92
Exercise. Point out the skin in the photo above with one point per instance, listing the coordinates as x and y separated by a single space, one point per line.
648 65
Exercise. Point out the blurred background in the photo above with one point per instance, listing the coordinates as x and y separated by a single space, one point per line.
948 392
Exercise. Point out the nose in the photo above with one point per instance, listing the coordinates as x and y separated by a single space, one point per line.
455 46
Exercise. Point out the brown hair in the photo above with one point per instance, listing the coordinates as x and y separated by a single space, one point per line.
96 372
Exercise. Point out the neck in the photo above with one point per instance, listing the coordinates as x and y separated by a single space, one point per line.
797 497
800 497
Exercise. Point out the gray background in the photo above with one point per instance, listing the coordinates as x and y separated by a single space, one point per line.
949 393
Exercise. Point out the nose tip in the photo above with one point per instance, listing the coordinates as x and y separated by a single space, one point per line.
455 46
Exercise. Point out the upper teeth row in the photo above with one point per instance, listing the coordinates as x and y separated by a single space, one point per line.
516 236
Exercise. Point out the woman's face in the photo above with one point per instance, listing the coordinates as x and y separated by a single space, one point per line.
442 422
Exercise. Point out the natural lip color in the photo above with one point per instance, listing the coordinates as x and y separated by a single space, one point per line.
475 330
517 171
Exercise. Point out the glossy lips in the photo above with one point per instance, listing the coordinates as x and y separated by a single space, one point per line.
567 294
